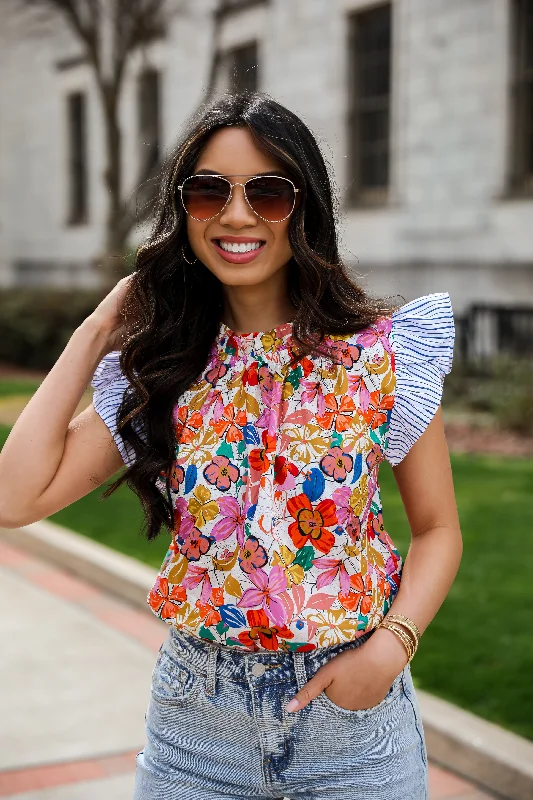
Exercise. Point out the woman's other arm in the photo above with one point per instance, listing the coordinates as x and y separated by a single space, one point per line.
50 460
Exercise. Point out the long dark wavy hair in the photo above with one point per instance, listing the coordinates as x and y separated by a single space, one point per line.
173 308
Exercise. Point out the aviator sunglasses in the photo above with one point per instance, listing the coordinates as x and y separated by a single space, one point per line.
271 197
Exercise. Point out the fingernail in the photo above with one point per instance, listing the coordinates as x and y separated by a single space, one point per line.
292 706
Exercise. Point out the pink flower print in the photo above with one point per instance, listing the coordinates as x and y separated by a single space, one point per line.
312 389
332 567
266 594
378 332
221 472
345 354
357 384
194 544
379 530
374 457
216 373
183 520
336 464
345 513
198 575
252 555
269 417
231 520
266 379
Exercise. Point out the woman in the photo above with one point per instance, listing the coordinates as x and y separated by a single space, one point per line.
253 389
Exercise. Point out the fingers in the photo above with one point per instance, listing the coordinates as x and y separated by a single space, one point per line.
308 692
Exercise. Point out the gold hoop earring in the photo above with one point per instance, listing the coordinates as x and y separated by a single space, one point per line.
185 257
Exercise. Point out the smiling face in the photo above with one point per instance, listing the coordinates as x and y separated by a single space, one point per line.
219 243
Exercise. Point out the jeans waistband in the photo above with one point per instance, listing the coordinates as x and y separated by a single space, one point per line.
213 659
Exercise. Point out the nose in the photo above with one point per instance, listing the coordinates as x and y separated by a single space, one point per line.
237 213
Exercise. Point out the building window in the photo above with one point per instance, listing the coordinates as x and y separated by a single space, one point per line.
77 157
242 68
369 104
149 120
521 177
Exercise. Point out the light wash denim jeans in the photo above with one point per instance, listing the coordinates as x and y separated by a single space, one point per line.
216 728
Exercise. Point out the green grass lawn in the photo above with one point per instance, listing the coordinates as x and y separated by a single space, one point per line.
17 386
478 650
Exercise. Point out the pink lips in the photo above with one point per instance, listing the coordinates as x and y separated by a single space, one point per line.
238 258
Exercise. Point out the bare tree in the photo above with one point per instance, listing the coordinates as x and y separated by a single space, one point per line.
109 32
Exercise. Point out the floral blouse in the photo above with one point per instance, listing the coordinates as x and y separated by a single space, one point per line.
279 541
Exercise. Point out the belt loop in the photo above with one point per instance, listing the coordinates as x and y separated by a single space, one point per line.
210 685
299 668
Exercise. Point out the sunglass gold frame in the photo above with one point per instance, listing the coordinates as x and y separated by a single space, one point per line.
231 185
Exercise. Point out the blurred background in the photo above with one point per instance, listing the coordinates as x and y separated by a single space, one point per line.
424 111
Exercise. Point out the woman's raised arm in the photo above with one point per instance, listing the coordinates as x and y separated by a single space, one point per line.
50 460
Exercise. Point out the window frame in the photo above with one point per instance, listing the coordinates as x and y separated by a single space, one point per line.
359 195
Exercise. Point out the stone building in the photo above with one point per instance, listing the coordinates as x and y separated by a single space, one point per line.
424 109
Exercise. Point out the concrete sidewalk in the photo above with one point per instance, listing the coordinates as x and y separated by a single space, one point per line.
75 667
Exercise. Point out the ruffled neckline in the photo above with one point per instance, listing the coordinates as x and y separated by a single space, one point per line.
273 344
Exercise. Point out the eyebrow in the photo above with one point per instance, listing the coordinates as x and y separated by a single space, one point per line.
275 172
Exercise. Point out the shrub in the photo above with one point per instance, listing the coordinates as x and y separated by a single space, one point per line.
501 386
36 324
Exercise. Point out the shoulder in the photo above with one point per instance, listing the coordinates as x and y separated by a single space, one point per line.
422 334
109 384
424 329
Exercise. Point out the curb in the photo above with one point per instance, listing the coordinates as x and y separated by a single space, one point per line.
108 569
496 759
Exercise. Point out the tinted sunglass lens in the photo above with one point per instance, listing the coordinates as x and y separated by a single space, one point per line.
272 198
204 196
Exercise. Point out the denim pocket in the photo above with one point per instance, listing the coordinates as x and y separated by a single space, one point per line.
393 693
173 682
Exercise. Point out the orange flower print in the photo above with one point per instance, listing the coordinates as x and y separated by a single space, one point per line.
310 525
194 544
187 423
259 457
177 476
337 413
230 425
221 472
360 592
163 601
378 410
209 611
252 555
250 376
263 630
284 473
336 464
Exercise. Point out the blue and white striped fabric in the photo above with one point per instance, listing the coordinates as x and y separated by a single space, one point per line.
422 338
109 385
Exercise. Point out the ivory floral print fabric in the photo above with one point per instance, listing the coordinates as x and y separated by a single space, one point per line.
279 541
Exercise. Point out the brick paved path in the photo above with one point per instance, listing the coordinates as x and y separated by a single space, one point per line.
65 646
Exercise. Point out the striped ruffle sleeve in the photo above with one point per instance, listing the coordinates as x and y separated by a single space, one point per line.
109 384
422 338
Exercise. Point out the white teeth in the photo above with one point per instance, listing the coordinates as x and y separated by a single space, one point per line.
233 247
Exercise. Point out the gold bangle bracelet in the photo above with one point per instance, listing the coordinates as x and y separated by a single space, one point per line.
407 621
406 630
406 641
404 637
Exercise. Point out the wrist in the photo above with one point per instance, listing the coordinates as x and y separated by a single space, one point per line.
387 648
